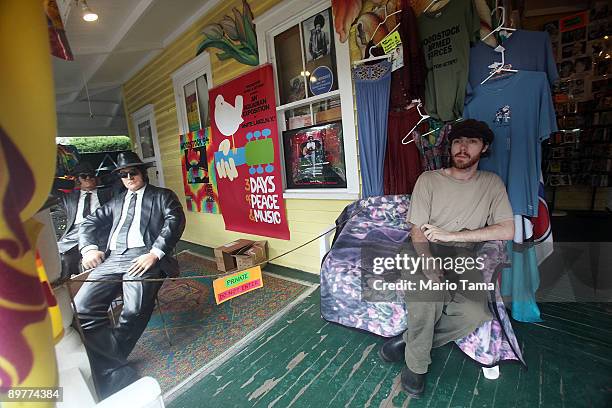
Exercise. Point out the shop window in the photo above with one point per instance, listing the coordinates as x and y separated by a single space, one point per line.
191 84
315 99
147 144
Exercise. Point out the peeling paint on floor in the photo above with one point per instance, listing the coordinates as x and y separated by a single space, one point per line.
303 361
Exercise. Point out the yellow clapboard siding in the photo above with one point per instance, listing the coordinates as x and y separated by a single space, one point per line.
153 85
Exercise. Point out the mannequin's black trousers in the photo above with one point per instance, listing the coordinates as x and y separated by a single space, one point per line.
108 347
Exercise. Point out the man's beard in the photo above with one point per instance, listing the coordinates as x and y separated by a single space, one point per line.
467 164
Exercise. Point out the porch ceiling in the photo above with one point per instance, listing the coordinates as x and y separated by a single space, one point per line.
127 35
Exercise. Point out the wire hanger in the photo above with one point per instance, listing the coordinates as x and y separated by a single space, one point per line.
372 58
390 32
384 21
424 117
501 26
429 5
498 67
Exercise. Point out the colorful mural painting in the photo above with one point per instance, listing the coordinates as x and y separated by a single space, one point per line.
199 179
234 36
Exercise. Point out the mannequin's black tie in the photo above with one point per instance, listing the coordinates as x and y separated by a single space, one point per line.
122 237
87 205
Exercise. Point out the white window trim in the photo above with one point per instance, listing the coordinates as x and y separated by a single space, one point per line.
290 13
192 70
143 114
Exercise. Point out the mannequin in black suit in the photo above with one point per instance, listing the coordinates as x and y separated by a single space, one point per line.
146 223
78 205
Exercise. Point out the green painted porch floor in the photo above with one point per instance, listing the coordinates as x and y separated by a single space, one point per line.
303 361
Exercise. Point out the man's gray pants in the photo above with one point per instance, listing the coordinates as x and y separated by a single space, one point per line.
437 317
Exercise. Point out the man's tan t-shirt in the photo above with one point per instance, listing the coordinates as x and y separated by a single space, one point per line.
455 205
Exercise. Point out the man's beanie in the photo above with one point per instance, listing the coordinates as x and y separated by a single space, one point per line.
471 128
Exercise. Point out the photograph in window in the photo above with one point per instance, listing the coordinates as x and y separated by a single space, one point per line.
314 157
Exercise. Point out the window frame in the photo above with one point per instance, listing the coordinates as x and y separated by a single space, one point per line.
147 113
291 13
189 72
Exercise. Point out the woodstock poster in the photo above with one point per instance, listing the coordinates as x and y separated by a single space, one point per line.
198 172
246 154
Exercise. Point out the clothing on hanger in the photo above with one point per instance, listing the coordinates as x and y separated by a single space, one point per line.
445 37
524 50
522 279
520 112
407 82
402 161
372 87
434 148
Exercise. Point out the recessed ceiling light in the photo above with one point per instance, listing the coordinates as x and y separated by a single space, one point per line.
88 15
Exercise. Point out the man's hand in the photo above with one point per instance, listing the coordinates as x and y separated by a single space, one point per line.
142 264
92 258
435 234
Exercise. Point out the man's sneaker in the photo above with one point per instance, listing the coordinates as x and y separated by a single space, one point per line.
413 383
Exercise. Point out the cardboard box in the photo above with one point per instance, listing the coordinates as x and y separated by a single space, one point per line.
224 254
328 115
251 255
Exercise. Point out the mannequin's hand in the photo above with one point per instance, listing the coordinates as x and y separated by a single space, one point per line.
92 258
142 264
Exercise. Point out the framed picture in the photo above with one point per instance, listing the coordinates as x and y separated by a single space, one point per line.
573 50
599 10
603 67
598 29
552 28
566 69
297 89
314 157
569 137
317 34
574 35
582 65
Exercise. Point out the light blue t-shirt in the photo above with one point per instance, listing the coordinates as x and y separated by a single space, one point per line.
519 110
524 50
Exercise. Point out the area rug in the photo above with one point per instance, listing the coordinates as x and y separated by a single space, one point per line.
198 330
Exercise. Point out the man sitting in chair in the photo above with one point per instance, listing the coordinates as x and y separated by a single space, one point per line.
78 205
454 205
147 222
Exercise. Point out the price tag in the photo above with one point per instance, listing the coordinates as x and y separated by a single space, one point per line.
397 57
391 42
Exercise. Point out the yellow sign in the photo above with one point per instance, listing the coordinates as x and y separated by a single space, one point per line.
391 42
237 284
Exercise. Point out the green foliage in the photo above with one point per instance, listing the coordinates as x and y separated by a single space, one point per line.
93 144
234 36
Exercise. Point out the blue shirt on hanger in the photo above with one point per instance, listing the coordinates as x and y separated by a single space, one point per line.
519 110
524 50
